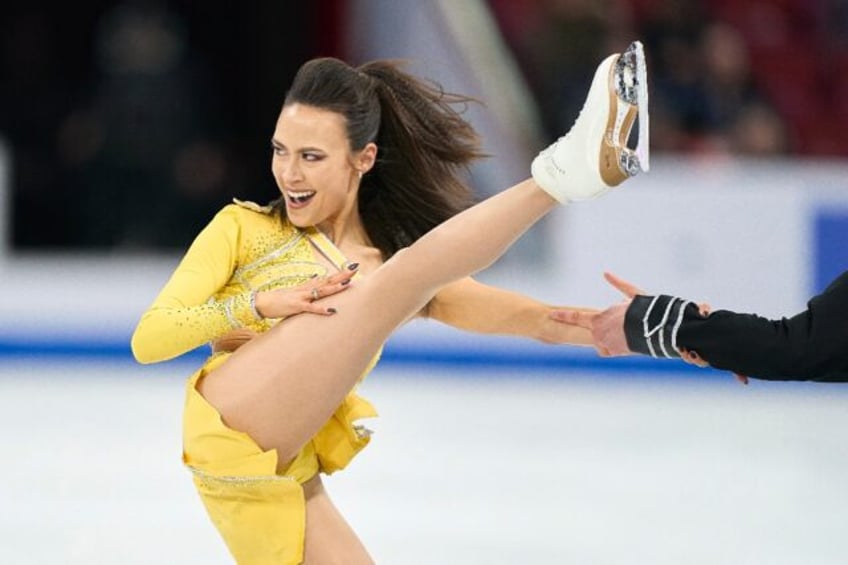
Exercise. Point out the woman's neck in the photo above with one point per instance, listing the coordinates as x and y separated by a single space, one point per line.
347 230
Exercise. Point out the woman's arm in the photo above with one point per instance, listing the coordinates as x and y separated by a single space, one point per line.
182 317
472 306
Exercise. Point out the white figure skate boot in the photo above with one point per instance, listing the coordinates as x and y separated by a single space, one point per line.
593 157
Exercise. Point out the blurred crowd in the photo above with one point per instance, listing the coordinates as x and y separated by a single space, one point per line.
130 122
728 77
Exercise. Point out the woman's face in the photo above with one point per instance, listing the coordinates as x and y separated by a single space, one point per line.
313 165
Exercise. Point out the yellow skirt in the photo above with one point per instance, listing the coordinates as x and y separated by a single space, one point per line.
261 514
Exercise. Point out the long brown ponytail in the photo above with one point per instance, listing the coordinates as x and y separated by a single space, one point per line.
423 144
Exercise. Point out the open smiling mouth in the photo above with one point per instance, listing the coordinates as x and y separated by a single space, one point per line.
298 199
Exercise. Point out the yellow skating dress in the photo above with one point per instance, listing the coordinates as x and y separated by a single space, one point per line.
244 249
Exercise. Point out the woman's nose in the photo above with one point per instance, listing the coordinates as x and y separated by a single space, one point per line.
291 171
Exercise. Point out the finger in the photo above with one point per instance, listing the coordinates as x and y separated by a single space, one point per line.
567 307
704 309
344 275
316 308
692 357
341 276
331 289
313 294
583 319
696 359
626 288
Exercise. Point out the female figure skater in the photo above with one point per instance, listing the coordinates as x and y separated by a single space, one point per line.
366 160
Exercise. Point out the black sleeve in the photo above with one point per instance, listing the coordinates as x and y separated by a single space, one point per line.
812 345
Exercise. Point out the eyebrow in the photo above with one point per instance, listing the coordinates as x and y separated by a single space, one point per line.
276 143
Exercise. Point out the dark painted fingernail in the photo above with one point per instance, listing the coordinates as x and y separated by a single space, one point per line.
314 275
346 281
353 266
331 310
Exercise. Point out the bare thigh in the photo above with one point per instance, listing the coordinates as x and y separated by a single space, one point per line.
329 538
283 385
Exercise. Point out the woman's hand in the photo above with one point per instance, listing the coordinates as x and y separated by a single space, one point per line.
305 298
559 330
606 326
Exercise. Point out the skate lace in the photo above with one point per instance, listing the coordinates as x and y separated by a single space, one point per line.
551 150
571 129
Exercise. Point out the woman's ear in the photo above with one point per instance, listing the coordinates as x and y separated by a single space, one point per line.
366 158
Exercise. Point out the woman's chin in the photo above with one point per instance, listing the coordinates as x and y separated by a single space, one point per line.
299 221
298 217
306 216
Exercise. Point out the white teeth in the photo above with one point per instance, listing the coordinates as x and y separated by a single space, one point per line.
300 197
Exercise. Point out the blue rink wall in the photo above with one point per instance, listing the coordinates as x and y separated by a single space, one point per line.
831 245
468 356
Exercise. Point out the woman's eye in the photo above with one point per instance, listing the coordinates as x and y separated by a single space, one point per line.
311 157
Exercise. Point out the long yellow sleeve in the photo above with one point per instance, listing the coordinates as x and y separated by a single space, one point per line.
185 315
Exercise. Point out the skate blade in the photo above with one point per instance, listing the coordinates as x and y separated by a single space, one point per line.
631 87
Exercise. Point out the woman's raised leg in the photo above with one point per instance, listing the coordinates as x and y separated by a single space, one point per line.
282 386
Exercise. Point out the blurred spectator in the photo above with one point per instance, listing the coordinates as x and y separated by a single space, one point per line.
737 113
34 95
671 31
559 47
705 98
129 122
705 95
835 19
140 144
758 131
